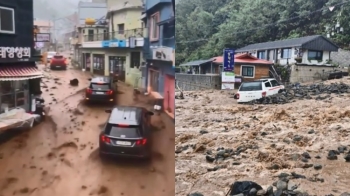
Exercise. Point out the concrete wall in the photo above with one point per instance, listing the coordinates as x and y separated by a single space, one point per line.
308 73
131 18
342 57
190 82
131 74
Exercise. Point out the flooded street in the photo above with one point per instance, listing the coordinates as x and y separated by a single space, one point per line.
60 156
219 142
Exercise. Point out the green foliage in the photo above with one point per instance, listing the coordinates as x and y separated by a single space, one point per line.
205 27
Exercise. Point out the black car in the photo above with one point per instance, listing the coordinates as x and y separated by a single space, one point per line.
101 88
127 133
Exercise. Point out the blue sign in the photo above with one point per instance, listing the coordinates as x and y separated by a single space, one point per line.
229 59
113 43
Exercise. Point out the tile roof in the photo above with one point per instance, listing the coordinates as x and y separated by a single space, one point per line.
243 58
12 73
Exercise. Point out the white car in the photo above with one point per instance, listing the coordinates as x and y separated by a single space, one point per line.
50 54
249 91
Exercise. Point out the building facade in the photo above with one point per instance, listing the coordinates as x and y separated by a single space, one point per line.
116 50
159 53
19 77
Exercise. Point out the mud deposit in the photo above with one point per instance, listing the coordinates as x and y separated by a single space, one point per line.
219 142
60 156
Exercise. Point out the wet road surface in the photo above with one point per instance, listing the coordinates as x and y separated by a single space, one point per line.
60 156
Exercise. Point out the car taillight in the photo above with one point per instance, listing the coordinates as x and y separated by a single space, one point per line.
105 139
263 94
109 92
141 142
89 90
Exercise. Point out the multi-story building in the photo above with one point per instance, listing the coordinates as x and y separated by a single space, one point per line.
19 77
116 49
159 52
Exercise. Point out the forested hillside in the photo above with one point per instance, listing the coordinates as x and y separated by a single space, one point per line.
205 27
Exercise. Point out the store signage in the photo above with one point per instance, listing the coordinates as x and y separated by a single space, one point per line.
15 52
229 59
163 53
42 37
113 43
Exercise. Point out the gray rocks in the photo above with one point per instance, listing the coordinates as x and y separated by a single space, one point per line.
332 155
347 157
195 194
317 166
281 185
209 159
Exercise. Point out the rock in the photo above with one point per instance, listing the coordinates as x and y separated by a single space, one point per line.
342 149
311 131
203 132
252 192
200 148
317 166
317 157
347 158
332 155
281 185
292 186
195 194
178 150
345 194
306 155
209 159
261 193
297 138
74 82
269 191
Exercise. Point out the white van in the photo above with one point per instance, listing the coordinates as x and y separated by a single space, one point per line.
249 91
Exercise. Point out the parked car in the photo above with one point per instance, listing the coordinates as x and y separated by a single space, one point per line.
101 88
58 62
249 91
127 133
50 54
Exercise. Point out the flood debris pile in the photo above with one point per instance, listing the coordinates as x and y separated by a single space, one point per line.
74 82
295 92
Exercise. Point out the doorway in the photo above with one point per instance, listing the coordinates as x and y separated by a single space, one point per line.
154 81
117 67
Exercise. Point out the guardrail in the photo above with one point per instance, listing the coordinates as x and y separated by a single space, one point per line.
120 35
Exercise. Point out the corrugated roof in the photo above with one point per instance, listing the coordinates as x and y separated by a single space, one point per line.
294 42
196 63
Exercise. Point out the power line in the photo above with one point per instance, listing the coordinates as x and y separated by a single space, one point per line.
271 24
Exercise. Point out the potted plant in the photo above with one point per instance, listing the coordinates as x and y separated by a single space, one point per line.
298 59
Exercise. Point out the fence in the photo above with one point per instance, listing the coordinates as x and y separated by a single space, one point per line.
119 35
191 82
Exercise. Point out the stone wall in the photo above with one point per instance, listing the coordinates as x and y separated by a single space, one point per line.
190 82
310 73
342 57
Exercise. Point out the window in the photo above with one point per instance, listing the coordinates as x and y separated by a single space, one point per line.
135 59
251 86
274 83
286 53
154 34
247 71
315 55
261 54
267 84
7 20
121 28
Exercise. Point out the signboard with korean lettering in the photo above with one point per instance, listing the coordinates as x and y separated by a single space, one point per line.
15 53
42 37
229 59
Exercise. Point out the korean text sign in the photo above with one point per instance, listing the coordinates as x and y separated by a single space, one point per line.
229 59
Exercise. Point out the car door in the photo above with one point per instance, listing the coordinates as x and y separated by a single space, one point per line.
275 86
268 88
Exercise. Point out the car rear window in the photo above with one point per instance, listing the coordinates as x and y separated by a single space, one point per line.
122 132
95 86
251 86
58 57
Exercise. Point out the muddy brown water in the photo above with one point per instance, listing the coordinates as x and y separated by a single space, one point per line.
269 127
60 156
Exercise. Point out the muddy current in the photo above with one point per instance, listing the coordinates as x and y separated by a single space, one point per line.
60 155
219 142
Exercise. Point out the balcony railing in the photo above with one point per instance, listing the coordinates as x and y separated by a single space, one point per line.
119 35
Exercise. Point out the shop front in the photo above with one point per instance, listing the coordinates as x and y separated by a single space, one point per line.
86 59
117 67
18 86
99 64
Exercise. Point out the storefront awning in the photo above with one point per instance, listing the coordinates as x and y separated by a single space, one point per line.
15 73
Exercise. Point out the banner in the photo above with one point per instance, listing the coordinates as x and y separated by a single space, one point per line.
229 59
